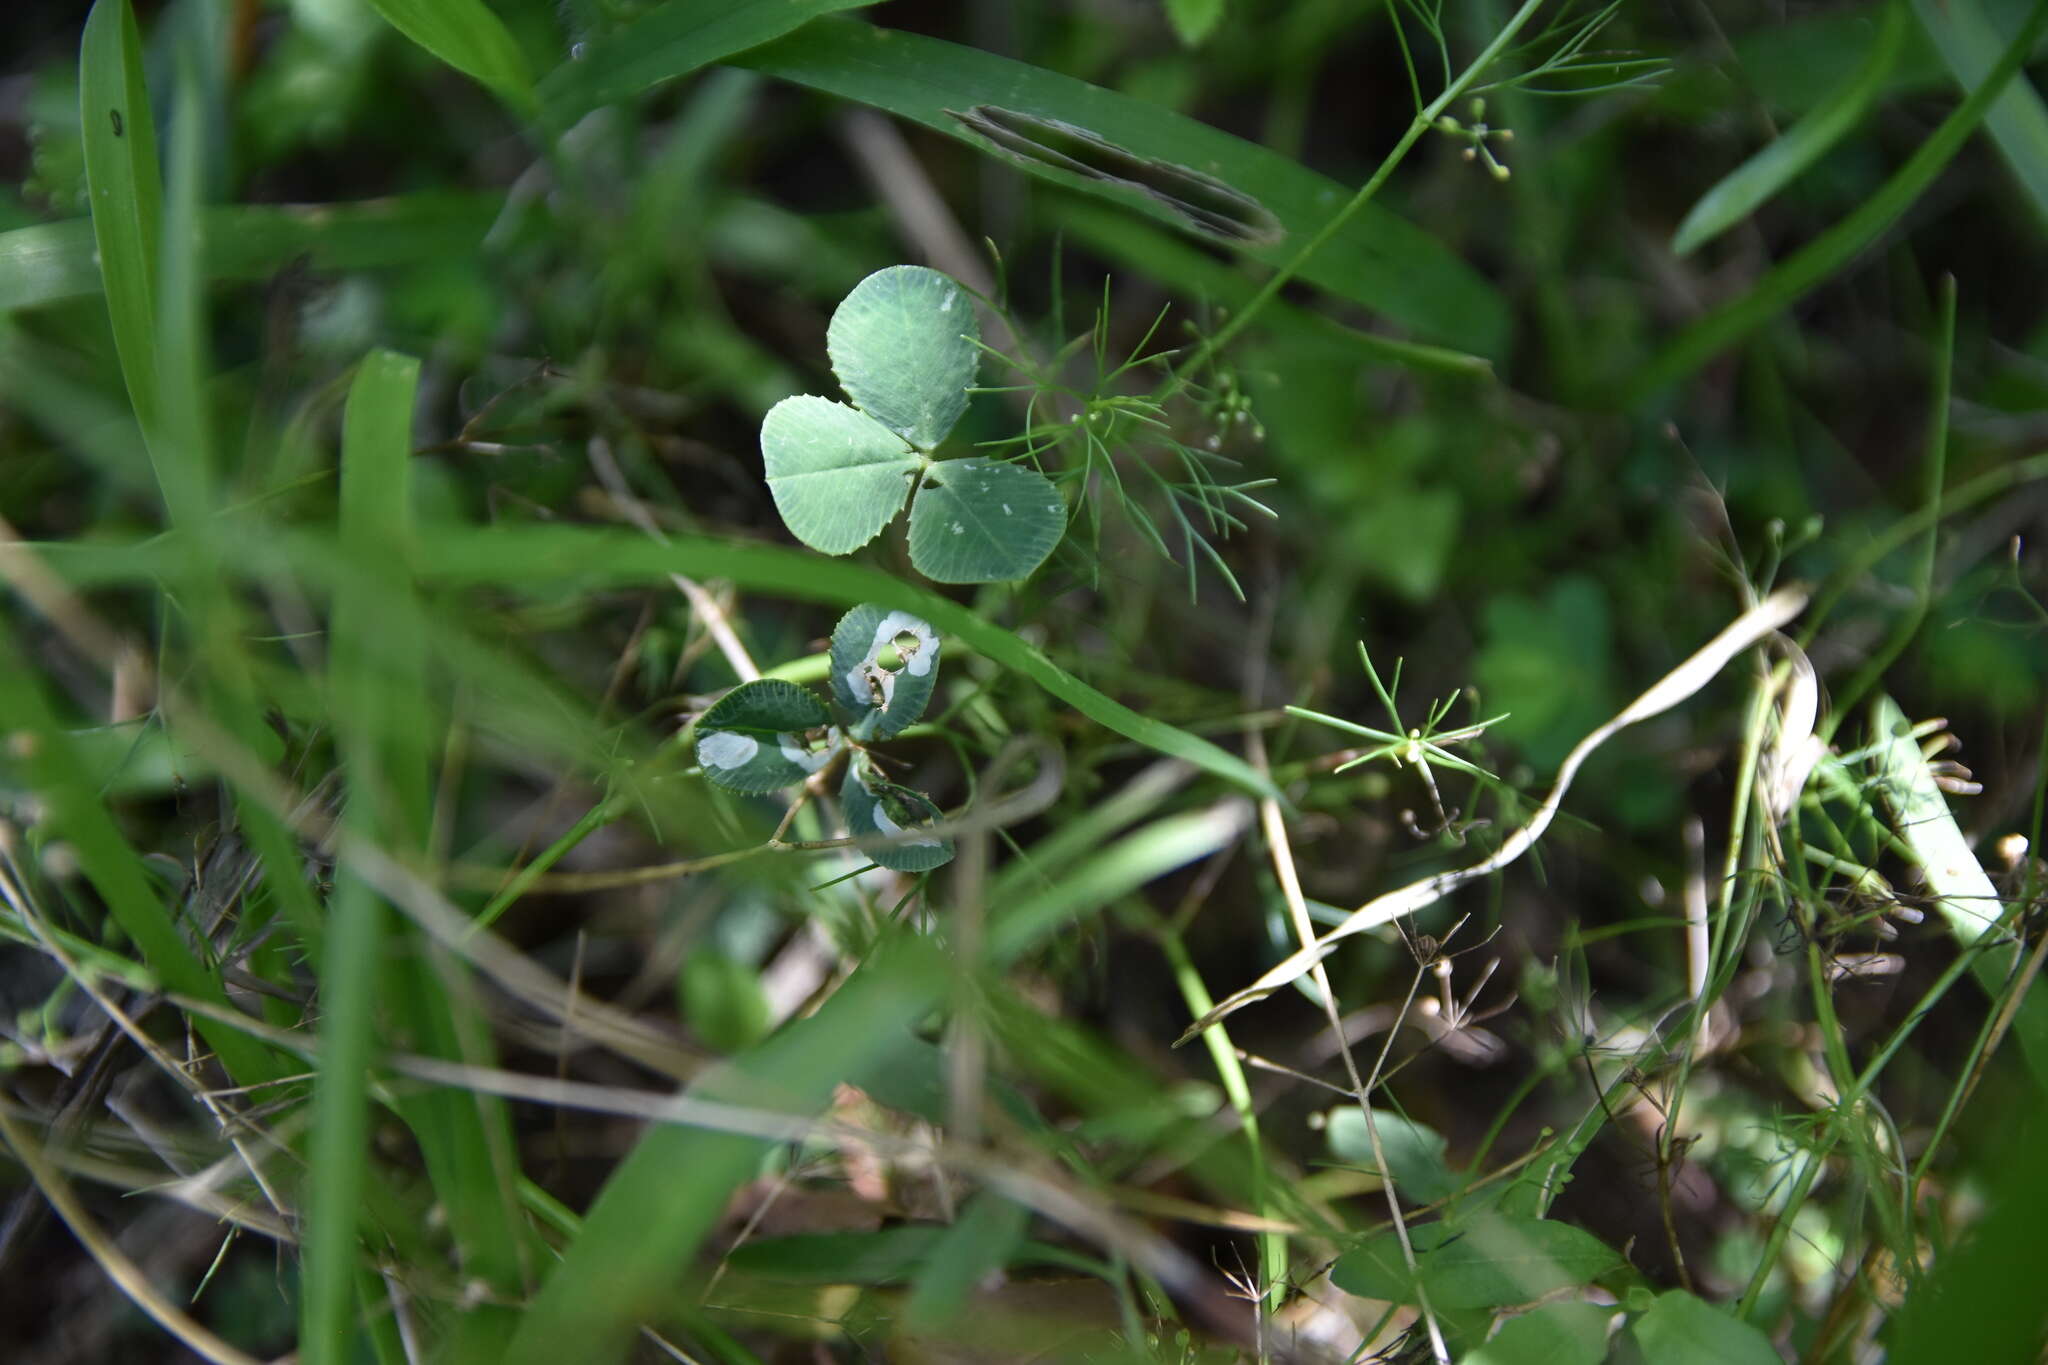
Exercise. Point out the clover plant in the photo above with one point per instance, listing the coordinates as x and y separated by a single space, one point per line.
769 734
905 345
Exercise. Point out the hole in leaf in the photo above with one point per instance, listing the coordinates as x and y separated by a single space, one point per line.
1201 201
897 652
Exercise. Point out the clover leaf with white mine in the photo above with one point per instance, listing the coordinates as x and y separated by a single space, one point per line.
769 734
756 738
904 345
877 808
884 665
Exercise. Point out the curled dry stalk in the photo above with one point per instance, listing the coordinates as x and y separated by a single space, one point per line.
1769 615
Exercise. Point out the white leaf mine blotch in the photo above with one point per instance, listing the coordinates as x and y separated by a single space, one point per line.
727 749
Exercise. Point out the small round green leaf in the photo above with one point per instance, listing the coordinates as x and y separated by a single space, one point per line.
1414 1151
903 346
982 521
882 698
753 739
1680 1329
877 808
1492 1261
838 475
723 1001
1555 1334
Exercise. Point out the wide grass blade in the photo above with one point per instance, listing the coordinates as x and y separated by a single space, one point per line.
50 262
1378 259
669 41
125 184
1746 188
2018 120
467 36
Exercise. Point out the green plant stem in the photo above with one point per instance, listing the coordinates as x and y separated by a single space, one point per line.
1195 991
594 819
1417 126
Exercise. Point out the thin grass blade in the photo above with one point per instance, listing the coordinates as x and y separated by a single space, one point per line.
467 36
1752 184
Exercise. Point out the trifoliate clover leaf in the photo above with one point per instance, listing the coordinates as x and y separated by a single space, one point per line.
877 808
903 346
884 664
838 475
754 740
980 521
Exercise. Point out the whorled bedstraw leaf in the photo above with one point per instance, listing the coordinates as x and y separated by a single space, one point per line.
877 808
838 475
903 346
754 741
884 664
982 521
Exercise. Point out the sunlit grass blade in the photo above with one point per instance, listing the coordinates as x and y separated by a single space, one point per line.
467 36
1743 190
1378 259
2018 120
668 41
1814 263
1964 896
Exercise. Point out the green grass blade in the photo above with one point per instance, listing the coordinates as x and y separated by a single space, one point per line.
2018 121
665 1198
1739 193
376 436
467 36
126 189
1378 259
1833 249
669 41
1137 858
386 725
547 554
50 262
